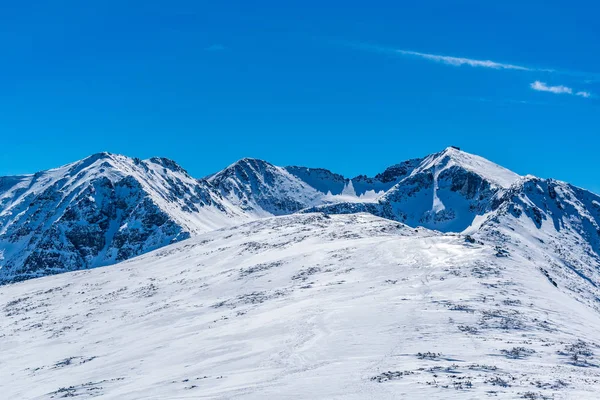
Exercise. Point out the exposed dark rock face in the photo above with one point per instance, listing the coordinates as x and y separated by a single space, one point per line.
326 181
567 207
397 172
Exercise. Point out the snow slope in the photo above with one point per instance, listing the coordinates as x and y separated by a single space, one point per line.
306 306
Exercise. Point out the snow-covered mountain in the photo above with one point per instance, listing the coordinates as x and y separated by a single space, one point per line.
558 224
326 181
101 210
108 208
263 189
311 306
444 191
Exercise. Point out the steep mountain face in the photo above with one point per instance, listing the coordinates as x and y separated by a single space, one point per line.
98 211
446 191
328 182
262 189
558 223
386 180
320 179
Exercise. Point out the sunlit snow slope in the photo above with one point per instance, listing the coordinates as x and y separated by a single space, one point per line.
307 306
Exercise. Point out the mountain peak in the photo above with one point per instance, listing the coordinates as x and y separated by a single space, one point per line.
452 149
100 155
91 159
452 157
250 161
168 163
242 168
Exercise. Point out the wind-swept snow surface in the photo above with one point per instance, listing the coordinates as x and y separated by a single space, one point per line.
305 306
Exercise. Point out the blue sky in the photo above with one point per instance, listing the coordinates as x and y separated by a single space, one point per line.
349 86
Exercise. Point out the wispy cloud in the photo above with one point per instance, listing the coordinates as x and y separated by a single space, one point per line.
480 63
449 60
471 62
560 89
459 61
543 87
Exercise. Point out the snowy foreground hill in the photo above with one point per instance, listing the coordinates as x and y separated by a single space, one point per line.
442 277
306 306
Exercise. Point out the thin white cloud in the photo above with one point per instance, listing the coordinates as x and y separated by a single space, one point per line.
460 61
560 89
476 63
543 87
449 60
472 62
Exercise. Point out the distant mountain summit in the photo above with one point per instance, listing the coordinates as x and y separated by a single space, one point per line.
444 191
262 189
108 208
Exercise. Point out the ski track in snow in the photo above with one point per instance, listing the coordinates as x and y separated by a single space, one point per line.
302 307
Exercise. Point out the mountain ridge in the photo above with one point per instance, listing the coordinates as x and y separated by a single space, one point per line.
107 207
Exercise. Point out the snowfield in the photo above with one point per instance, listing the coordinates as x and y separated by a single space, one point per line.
308 306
